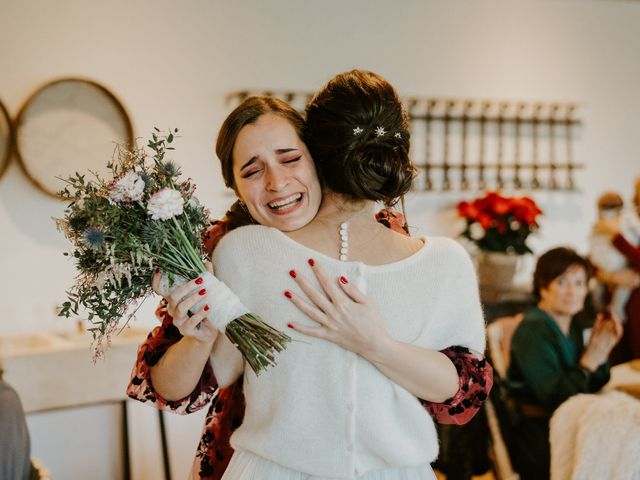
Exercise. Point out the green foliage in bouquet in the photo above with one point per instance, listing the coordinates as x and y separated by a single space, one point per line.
125 228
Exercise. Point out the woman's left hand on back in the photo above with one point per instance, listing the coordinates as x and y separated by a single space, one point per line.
344 314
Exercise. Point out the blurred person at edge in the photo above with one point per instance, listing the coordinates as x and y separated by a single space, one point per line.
623 233
15 448
609 262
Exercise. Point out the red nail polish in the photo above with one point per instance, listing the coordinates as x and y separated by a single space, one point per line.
287 293
312 262
206 308
199 281
290 325
292 273
157 269
202 292
344 280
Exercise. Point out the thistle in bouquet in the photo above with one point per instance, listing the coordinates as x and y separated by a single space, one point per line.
137 222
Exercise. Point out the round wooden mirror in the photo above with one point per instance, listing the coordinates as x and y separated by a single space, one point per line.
6 138
69 125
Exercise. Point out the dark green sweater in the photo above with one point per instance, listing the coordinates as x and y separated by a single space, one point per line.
544 368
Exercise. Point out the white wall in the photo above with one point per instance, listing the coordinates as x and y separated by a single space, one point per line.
172 63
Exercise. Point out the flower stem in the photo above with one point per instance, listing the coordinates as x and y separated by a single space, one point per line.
194 257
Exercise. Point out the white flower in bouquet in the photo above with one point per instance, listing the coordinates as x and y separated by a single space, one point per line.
129 188
165 204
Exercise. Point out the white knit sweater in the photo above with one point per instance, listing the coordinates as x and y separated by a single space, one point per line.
326 411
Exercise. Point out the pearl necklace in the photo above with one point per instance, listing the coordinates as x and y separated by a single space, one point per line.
344 242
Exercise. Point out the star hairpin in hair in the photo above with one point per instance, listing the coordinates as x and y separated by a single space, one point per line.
398 135
380 131
357 131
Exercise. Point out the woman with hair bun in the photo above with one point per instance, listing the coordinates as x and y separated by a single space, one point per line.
370 311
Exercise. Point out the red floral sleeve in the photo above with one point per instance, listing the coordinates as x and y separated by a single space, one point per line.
393 220
474 384
140 385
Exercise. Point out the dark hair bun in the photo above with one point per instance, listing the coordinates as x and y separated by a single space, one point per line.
358 134
373 171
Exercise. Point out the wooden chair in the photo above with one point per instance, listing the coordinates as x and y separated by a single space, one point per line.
499 334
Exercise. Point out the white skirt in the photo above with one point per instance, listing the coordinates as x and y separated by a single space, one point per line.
245 465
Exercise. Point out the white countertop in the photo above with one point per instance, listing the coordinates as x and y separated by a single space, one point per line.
52 370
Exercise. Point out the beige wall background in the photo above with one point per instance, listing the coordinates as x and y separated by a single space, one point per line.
172 64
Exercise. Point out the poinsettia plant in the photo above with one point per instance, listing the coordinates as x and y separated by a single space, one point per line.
496 223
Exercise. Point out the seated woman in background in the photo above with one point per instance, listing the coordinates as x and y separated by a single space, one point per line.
549 359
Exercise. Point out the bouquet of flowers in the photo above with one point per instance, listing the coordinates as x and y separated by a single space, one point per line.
141 221
500 224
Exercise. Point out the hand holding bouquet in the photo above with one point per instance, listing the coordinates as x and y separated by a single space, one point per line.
140 221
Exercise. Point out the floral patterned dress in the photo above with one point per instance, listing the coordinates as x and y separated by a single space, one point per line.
227 405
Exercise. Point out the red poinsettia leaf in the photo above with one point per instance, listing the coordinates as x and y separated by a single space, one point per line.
467 210
530 218
501 206
496 204
484 220
519 212
479 204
